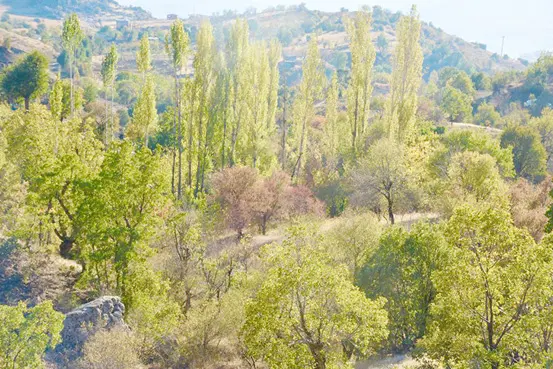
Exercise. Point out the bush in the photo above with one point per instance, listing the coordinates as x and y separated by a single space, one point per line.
115 349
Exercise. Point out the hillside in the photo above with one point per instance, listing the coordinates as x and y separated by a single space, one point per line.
291 25
56 9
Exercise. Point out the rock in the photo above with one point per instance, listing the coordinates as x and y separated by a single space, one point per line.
104 313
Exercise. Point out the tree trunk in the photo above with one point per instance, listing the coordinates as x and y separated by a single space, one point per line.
27 103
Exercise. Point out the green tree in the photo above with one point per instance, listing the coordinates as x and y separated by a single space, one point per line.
406 78
382 175
494 272
144 120
109 72
529 155
487 116
307 314
360 88
544 125
401 270
56 99
456 104
176 46
71 38
334 131
26 333
120 215
143 56
303 110
27 79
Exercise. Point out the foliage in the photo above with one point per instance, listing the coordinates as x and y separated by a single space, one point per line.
101 352
307 314
27 79
456 104
26 333
494 271
487 116
529 156
401 269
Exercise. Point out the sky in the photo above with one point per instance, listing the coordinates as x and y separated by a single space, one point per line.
526 25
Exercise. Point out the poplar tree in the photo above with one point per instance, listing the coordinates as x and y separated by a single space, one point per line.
145 113
275 54
71 37
202 90
406 77
256 98
333 130
109 71
143 57
303 110
236 50
360 88
176 46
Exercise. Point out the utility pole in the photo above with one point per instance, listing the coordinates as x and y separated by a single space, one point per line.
502 44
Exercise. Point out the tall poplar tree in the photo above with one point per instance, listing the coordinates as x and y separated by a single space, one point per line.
360 88
202 90
145 113
406 77
143 57
71 37
237 46
303 110
176 46
109 71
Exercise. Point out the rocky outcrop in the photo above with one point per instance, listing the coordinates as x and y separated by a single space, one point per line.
104 313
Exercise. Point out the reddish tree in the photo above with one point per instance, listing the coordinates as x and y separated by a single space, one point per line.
235 189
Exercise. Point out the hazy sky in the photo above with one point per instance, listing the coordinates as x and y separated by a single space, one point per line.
526 25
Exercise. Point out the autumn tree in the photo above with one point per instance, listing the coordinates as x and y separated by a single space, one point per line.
307 314
406 77
27 79
359 91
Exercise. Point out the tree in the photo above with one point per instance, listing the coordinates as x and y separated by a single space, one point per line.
487 116
544 125
109 72
401 269
27 79
234 190
406 77
176 46
26 333
382 175
529 155
382 44
529 205
120 215
495 271
456 104
309 91
307 314
145 118
56 99
360 88
143 56
334 131
71 39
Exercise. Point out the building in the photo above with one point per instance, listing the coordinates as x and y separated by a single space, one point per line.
121 24
172 17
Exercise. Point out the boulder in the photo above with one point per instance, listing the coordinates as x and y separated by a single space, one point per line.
104 313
